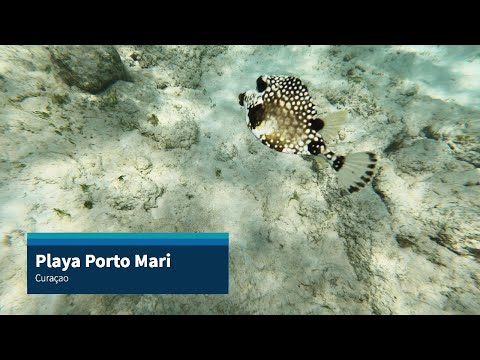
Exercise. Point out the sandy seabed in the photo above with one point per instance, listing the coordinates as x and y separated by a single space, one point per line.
165 147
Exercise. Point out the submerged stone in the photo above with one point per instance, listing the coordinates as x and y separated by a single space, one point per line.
91 68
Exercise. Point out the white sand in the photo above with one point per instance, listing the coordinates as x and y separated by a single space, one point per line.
408 245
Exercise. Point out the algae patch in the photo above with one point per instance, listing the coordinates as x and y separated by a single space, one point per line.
61 213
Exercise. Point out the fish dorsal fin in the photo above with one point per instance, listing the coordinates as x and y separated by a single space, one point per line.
333 123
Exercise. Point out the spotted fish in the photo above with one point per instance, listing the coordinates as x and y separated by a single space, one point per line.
280 113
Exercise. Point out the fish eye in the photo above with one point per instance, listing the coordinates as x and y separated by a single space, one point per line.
261 84
240 98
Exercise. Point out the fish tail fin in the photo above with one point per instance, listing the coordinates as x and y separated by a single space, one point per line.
356 170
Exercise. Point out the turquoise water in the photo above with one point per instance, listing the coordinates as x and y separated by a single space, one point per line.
152 139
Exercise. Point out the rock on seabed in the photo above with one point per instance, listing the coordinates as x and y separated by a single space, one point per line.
90 68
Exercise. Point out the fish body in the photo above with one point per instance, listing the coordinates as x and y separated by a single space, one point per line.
282 115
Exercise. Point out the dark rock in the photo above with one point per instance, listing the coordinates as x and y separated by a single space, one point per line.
404 241
91 68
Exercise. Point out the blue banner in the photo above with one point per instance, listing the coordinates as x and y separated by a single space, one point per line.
127 263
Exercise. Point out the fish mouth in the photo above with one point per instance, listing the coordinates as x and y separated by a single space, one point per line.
241 97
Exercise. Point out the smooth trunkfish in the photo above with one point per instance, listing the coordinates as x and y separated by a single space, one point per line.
280 112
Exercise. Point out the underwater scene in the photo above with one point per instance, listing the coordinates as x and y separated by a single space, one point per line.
347 177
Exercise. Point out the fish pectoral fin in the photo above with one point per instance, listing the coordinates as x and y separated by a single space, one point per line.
333 123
